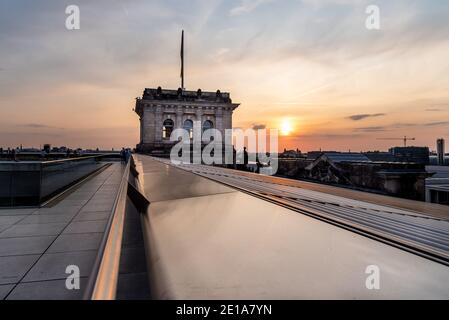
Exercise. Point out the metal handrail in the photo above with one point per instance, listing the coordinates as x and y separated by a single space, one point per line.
81 158
102 282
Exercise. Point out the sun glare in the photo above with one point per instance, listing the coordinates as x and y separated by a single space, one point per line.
286 127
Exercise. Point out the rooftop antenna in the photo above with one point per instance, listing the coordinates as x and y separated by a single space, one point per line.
182 60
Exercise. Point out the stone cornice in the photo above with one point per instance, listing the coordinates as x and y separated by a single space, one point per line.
205 105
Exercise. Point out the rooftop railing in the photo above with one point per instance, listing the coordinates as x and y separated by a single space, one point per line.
31 183
103 279
102 283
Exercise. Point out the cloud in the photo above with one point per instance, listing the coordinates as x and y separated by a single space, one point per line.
371 129
39 126
438 123
437 107
247 6
220 54
357 117
322 136
426 124
399 126
259 126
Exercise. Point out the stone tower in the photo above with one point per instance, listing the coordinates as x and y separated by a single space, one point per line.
161 111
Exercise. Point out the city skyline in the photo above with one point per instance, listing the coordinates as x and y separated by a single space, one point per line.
308 68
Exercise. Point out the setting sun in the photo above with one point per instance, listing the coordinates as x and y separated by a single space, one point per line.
286 127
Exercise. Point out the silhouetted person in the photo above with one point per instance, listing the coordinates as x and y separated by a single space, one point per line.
258 164
14 155
127 155
245 157
234 158
123 155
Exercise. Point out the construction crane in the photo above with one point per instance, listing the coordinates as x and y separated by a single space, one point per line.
405 139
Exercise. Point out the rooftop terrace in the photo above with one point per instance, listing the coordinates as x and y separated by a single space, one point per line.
37 244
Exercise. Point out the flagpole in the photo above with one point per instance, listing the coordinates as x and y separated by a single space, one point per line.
182 60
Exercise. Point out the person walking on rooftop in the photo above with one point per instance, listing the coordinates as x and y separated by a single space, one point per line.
123 155
14 155
245 159
127 155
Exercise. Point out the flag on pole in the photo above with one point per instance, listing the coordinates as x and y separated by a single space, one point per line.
182 60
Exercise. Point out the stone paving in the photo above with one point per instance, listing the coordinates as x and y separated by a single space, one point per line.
37 244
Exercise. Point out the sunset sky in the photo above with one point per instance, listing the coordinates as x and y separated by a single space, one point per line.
310 65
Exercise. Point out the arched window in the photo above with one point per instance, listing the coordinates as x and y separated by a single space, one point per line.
207 125
167 128
188 125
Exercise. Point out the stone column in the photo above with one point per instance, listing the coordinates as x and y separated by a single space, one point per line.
230 119
158 124
141 129
199 116
148 124
219 120
428 195
227 119
179 114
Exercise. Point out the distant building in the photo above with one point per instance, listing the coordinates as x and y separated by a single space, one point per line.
380 156
419 155
440 152
291 154
434 160
325 168
47 148
357 171
343 156
313 155
437 186
162 111
24 150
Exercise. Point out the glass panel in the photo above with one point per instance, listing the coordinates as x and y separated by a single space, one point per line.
59 174
29 183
